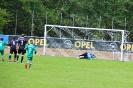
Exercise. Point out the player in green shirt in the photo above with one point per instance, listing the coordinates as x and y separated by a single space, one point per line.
31 49
2 44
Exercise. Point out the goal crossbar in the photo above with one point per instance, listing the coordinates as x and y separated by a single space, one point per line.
84 28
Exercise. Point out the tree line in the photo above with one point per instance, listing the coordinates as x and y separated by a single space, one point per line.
30 16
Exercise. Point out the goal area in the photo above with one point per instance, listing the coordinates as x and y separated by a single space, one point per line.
70 41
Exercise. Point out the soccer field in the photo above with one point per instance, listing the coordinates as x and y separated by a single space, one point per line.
66 72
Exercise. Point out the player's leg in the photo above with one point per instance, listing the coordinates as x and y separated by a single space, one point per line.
26 65
15 55
84 55
30 63
19 51
80 56
2 53
22 57
10 55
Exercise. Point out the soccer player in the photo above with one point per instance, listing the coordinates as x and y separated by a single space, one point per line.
21 44
30 50
2 44
13 49
85 55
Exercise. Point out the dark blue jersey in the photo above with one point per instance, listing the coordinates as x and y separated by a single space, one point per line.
13 44
22 42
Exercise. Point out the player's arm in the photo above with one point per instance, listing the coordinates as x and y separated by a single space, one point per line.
17 46
26 48
26 42
9 44
5 44
35 50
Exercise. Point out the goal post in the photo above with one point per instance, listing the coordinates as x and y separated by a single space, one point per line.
67 40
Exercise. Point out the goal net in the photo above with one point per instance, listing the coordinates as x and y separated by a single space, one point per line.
71 41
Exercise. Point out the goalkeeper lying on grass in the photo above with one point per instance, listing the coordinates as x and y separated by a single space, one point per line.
86 55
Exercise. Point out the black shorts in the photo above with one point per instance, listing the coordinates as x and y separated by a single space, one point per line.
21 51
84 55
13 51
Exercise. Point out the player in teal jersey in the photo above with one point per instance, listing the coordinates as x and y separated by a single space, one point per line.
2 44
31 49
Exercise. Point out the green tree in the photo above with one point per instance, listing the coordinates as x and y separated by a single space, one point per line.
3 19
108 10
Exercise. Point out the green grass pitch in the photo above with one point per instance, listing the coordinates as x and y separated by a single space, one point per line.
66 72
